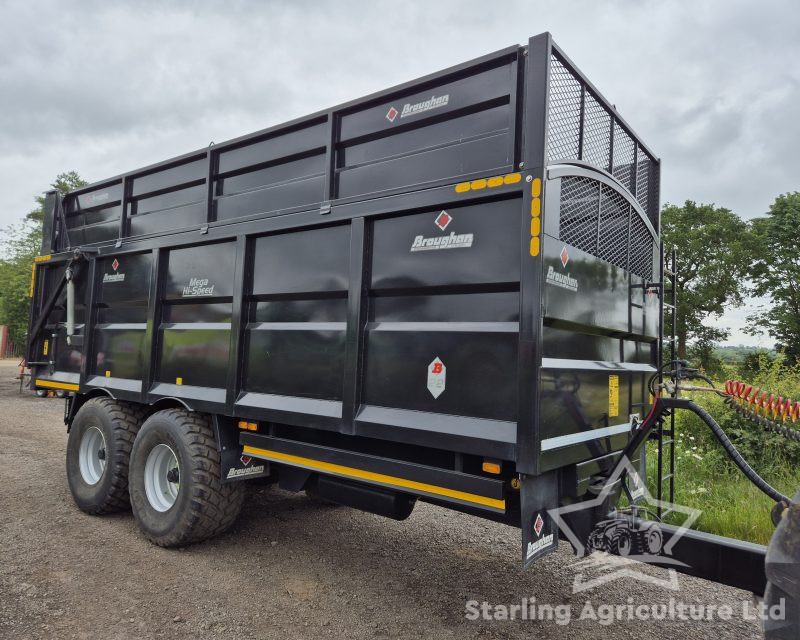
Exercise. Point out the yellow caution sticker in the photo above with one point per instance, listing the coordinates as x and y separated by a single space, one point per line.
613 396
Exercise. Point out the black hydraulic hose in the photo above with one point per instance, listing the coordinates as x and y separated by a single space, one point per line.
734 454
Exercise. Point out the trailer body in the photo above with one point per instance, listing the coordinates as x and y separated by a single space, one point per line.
448 290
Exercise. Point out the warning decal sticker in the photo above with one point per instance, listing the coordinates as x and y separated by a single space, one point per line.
613 396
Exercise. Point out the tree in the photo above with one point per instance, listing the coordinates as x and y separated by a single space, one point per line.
775 272
712 245
20 244
64 182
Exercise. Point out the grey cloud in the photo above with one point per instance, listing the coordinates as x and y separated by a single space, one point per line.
102 87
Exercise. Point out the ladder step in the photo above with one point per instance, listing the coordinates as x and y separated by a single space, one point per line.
638 306
667 305
667 477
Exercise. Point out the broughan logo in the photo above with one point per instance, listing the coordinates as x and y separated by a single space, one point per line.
198 287
535 547
247 471
563 280
453 241
419 107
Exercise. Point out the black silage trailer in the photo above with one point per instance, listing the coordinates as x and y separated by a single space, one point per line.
450 290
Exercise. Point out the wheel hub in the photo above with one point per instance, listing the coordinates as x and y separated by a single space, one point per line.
92 455
162 477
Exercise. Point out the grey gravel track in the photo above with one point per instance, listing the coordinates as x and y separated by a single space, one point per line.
290 567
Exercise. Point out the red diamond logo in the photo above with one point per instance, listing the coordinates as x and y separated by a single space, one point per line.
443 219
391 114
115 264
246 460
538 525
564 257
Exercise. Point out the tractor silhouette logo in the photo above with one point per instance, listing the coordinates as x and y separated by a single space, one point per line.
628 539
625 537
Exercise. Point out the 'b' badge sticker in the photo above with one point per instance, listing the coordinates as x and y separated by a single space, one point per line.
437 373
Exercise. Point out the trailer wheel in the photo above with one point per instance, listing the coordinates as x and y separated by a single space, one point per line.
98 451
175 482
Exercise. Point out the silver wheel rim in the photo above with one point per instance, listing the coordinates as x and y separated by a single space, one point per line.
92 455
161 466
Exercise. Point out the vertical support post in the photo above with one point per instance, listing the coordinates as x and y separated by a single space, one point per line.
529 351
242 275
357 299
123 214
151 341
581 121
211 214
89 318
611 146
673 347
659 368
330 162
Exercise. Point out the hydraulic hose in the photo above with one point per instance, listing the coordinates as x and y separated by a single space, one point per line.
734 454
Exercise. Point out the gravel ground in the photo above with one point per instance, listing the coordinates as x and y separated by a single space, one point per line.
290 567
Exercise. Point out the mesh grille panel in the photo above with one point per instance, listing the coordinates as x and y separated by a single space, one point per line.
642 178
614 228
641 249
580 127
597 133
579 208
564 113
623 157
621 237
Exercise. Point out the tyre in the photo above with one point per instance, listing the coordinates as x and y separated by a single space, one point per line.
175 486
98 452
621 542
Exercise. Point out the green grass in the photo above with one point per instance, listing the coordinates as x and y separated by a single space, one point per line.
705 477
730 504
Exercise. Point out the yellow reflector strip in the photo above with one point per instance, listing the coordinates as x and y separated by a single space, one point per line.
536 226
536 187
491 467
536 207
33 280
45 347
494 181
50 384
534 246
178 380
108 374
42 258
360 474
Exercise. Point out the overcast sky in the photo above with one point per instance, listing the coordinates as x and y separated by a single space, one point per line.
105 87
